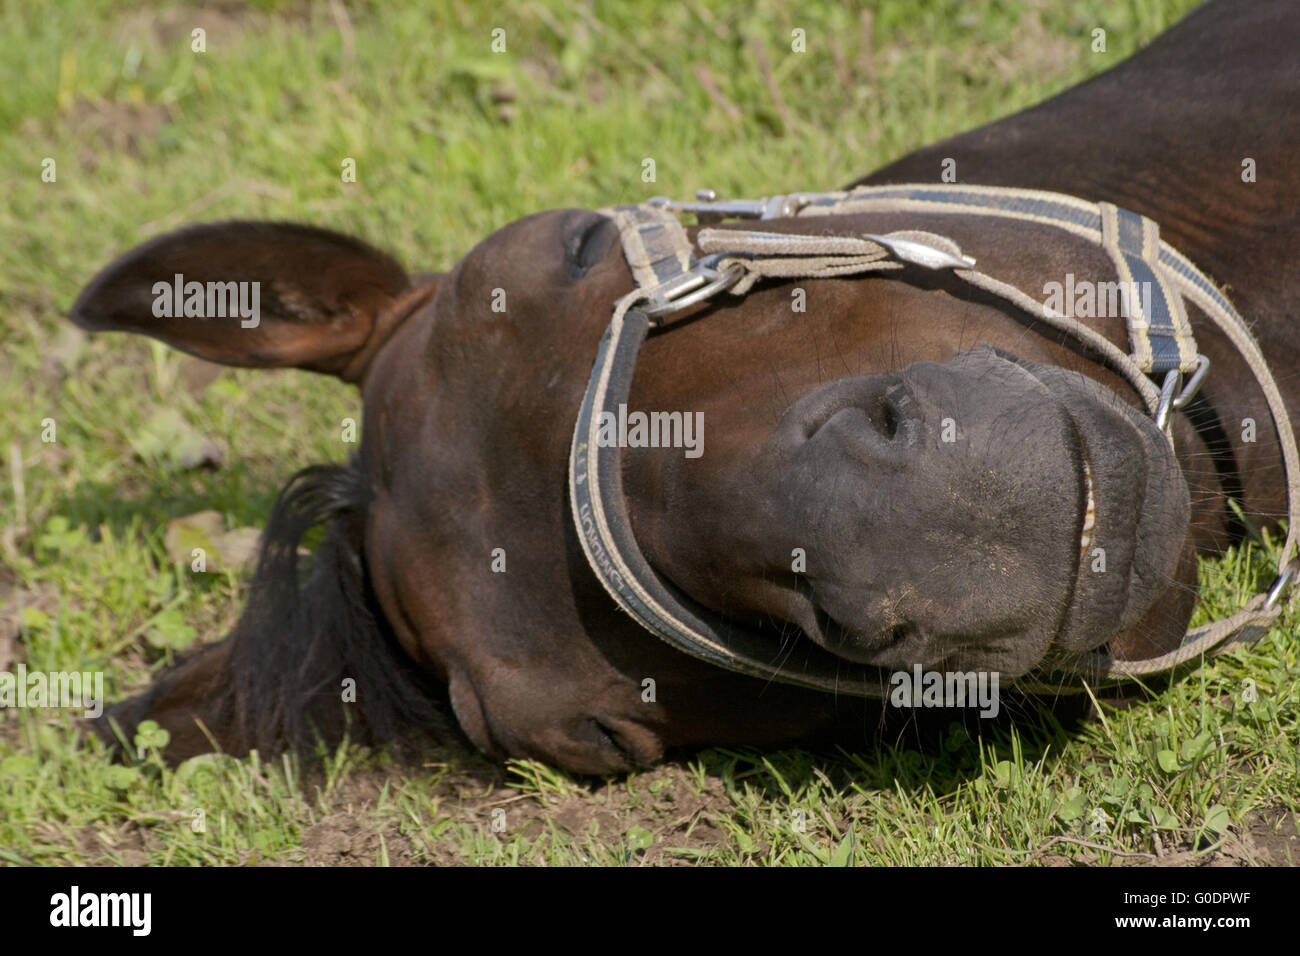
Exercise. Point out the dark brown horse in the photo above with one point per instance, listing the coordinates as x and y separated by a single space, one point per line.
451 559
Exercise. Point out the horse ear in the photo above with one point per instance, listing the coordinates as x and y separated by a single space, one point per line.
251 293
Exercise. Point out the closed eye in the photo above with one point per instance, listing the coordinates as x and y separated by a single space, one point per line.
588 243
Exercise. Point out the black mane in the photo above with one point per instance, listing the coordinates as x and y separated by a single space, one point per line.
304 631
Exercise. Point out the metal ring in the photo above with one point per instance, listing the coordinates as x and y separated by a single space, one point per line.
1172 378
1194 384
725 280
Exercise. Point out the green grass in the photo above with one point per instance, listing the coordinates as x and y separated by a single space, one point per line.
451 142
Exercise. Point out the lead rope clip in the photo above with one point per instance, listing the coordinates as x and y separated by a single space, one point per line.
1173 379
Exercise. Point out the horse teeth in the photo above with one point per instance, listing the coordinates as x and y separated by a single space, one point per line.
1089 513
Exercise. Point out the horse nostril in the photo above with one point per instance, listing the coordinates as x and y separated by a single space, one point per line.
883 414
612 739
899 633
888 411
880 409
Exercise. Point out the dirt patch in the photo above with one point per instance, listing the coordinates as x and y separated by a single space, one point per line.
1274 837
110 125
663 818
224 24
103 126
119 127
353 833
99 844
353 838
1034 52
350 835
1265 838
130 845
1030 53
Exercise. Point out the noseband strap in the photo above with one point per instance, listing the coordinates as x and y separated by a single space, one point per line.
670 278
596 491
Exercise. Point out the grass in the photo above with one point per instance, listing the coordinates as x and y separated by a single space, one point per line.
450 142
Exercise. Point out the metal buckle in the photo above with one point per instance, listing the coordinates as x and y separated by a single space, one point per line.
708 208
921 253
702 282
1173 378
1285 581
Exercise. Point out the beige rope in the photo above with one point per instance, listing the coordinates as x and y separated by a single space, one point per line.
1118 357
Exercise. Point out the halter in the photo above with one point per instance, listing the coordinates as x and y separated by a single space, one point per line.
670 278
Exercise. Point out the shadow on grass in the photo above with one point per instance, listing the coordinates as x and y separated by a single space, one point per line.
243 498
917 751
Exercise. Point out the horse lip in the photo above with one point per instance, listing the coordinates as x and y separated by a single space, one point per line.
850 644
1148 499
1089 508
1088 518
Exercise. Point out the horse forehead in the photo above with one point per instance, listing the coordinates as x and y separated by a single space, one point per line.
490 345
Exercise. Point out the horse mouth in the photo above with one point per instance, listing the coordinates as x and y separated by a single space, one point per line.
1135 509
1089 508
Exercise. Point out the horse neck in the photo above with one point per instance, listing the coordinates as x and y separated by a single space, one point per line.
1166 134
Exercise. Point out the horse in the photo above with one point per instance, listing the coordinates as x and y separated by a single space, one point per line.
813 450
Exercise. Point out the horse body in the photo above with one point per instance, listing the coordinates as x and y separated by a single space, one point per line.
452 559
